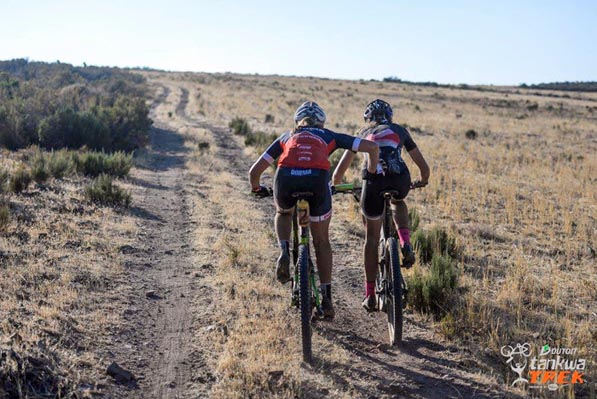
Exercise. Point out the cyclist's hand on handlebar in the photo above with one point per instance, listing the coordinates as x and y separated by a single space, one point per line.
418 184
261 191
366 175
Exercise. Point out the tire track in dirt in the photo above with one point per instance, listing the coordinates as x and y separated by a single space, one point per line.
156 345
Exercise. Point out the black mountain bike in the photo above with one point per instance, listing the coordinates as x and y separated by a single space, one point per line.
304 293
390 286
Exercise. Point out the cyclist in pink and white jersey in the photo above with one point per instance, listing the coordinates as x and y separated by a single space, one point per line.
391 138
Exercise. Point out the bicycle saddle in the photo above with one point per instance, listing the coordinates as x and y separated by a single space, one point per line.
393 194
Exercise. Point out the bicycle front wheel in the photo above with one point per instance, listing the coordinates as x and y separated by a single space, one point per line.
394 292
305 301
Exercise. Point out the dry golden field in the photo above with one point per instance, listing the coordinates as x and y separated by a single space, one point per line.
520 198
179 289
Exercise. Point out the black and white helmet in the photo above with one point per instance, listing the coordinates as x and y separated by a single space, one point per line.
309 109
379 111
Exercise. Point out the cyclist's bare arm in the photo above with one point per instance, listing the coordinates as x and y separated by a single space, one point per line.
370 147
256 171
342 167
418 159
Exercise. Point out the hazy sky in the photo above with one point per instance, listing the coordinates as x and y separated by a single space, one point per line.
500 42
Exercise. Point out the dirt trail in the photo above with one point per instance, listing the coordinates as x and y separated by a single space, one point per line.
157 346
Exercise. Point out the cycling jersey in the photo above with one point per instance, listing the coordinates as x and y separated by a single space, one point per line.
390 138
308 148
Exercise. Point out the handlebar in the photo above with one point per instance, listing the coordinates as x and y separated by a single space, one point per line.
347 188
350 188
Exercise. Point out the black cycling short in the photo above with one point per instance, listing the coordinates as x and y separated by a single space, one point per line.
372 203
291 180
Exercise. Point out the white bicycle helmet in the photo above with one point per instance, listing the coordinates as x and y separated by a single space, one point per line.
309 109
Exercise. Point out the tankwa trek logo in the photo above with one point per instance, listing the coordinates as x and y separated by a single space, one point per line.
550 367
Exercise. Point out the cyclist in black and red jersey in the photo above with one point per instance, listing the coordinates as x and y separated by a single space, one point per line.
395 175
303 166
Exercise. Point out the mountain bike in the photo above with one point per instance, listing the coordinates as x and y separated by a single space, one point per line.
304 293
390 287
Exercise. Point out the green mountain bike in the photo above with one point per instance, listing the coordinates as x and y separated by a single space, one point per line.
304 293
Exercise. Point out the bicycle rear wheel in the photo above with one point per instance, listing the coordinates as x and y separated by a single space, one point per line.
394 292
305 301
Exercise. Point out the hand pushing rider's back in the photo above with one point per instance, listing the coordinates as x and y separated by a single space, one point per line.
303 165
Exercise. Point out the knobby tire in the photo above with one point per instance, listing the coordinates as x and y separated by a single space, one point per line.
305 302
394 278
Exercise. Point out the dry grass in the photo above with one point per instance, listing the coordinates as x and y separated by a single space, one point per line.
520 197
251 324
60 294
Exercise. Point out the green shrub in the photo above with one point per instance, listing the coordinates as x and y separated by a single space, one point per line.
39 169
4 215
269 118
4 178
103 191
20 180
119 164
471 134
203 147
437 241
240 126
413 219
93 164
59 164
430 291
260 140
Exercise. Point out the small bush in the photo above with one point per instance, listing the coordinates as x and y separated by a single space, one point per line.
4 178
20 180
4 215
59 164
434 242
260 140
203 146
471 134
269 118
39 170
431 291
90 163
103 191
94 164
119 164
414 219
240 126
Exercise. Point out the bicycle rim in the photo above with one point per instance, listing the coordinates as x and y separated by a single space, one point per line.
305 302
394 297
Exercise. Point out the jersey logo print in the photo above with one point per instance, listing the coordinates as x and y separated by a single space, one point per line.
385 138
305 150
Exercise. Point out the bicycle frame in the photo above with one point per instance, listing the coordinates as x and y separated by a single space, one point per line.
300 230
